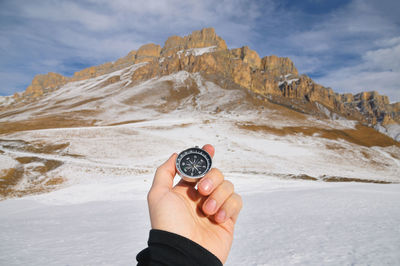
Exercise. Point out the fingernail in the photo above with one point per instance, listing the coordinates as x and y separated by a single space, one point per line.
211 205
206 185
221 215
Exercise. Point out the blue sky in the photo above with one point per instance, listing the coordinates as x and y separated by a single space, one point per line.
351 46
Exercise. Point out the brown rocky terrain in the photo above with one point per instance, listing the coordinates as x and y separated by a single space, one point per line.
272 77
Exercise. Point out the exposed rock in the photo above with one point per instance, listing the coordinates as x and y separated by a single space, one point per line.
278 66
248 56
376 108
42 82
172 45
274 78
198 39
148 52
368 107
129 59
89 72
347 98
95 71
205 38
16 96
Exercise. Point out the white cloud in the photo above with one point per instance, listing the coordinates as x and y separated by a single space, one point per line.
55 35
355 48
67 11
349 29
379 70
387 59
353 43
104 26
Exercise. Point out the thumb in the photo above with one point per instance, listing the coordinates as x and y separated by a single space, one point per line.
164 176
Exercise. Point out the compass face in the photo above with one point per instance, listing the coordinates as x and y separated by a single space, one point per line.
193 164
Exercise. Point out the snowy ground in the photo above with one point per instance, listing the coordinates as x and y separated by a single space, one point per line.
298 223
100 215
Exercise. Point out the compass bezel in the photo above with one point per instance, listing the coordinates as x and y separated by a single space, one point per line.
189 151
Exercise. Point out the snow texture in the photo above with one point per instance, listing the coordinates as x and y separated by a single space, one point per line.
99 216
6 100
392 131
299 223
197 51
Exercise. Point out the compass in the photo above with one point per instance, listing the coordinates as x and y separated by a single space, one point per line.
193 163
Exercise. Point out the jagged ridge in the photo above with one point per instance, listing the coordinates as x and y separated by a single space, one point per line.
273 77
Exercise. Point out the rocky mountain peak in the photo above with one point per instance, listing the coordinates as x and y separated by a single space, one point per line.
272 77
198 39
147 52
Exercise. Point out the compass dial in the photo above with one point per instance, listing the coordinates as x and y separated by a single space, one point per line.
192 164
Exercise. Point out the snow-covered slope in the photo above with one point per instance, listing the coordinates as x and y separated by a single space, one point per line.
99 175
298 223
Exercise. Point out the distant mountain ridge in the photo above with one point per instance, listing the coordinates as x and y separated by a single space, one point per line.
273 78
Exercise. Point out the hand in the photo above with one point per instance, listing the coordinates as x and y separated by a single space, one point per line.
207 215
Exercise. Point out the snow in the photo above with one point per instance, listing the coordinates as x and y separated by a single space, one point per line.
301 222
6 163
337 224
99 215
200 51
197 51
6 100
287 80
392 130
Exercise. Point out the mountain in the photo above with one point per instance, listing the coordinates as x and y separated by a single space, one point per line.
273 78
198 85
320 185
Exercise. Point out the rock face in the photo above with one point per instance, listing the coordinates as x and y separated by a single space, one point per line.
198 39
272 77
41 82
147 53
278 66
95 71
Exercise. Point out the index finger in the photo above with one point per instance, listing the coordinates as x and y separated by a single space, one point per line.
210 149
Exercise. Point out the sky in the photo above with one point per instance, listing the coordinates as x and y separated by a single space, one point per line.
348 45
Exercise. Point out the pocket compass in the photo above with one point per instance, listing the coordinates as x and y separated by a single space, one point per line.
192 164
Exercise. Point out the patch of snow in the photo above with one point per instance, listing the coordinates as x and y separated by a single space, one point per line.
179 77
287 80
328 113
6 162
337 121
392 130
345 123
200 51
6 100
197 51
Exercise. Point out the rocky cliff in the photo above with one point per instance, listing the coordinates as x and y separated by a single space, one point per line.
274 78
41 83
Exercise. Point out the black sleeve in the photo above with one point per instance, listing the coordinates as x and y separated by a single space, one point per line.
167 248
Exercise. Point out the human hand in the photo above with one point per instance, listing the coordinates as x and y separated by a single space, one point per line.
206 215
